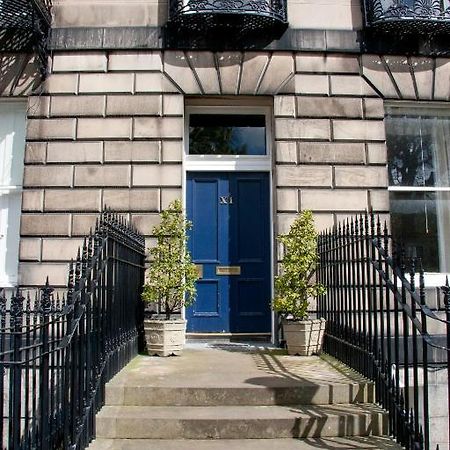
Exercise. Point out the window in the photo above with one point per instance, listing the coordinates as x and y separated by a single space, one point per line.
12 143
227 135
418 143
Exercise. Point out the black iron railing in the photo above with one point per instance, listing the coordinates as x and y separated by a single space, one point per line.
58 351
378 322
408 16
225 23
25 27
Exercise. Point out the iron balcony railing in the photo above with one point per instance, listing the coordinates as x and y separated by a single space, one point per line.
379 323
219 22
25 27
408 16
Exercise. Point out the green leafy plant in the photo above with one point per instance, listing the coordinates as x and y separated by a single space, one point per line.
295 286
170 280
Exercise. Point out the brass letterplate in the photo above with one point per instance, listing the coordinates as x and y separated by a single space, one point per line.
199 268
228 270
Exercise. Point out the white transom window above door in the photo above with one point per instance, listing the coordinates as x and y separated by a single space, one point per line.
227 137
12 144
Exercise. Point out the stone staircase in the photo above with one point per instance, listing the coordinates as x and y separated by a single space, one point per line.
239 397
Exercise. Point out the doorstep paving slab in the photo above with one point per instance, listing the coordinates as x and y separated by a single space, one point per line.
233 365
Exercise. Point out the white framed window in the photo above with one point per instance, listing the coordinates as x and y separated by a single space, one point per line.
418 142
12 145
227 138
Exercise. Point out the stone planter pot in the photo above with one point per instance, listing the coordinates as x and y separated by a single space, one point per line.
304 337
165 337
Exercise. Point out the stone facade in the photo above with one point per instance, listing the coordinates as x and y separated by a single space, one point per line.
108 130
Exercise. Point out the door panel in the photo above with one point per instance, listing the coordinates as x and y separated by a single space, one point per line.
230 214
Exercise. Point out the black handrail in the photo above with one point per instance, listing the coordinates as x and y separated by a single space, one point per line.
379 322
58 351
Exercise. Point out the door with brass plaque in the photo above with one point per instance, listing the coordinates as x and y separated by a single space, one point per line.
230 240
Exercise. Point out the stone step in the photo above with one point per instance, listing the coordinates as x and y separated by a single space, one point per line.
339 443
239 422
276 392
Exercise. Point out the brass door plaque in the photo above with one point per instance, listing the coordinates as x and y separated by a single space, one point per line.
228 270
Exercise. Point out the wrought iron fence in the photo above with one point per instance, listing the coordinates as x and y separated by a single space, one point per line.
378 322
57 351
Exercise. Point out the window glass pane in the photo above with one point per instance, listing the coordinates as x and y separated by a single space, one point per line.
421 221
418 150
226 134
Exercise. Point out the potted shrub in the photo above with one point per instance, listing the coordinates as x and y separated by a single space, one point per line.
296 286
170 283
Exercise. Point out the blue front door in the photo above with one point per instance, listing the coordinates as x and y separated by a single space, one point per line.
230 242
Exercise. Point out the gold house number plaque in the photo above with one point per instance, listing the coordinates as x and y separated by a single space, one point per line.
228 270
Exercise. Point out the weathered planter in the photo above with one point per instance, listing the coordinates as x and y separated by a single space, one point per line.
304 337
165 337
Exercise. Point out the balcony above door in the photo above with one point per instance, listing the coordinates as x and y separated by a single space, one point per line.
225 23
24 26
408 16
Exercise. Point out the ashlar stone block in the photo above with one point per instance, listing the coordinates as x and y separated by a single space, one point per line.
286 152
60 249
334 200
35 152
38 106
77 152
157 175
287 200
173 105
359 130
104 128
376 153
158 127
350 85
320 62
311 84
332 153
30 249
47 176
379 200
33 274
51 129
302 129
81 105
284 106
72 200
329 107
304 176
145 222
83 223
130 200
154 83
133 105
135 61
45 224
168 195
106 83
368 176
79 62
61 84
32 200
123 151
172 151
107 175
